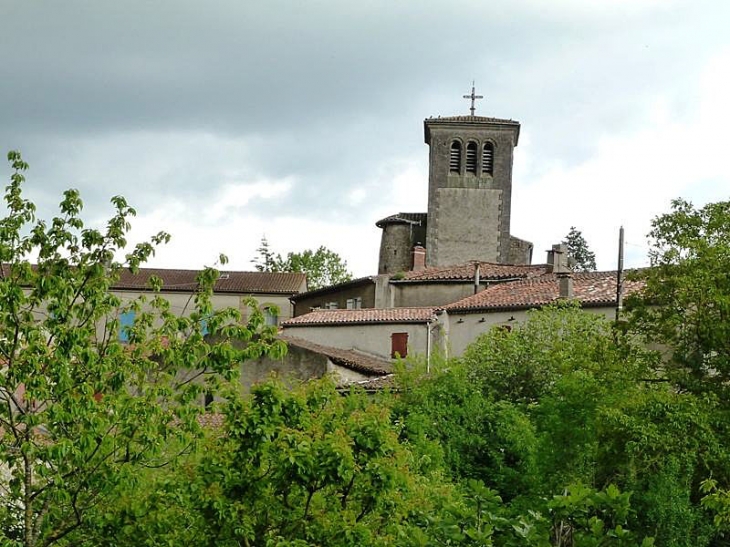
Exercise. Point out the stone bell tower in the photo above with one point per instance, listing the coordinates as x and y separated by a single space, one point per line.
469 188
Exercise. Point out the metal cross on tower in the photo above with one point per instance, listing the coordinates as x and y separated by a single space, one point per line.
473 96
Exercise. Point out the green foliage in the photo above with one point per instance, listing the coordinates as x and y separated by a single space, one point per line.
323 266
585 259
685 304
473 437
81 411
527 363
566 399
290 467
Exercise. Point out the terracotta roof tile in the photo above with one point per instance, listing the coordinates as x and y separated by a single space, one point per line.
337 287
590 288
363 316
212 420
487 271
403 218
230 281
351 359
371 385
472 119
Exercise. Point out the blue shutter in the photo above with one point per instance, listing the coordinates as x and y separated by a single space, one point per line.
126 322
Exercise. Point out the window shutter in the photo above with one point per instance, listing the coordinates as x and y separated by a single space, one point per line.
455 157
487 158
398 344
471 158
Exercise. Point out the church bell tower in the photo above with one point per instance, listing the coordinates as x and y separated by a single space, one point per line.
469 187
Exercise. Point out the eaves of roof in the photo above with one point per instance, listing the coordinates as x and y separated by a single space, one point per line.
350 359
365 316
590 289
335 288
469 120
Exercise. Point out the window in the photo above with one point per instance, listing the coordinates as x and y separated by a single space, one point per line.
126 322
487 158
208 399
354 303
471 158
270 317
455 157
398 345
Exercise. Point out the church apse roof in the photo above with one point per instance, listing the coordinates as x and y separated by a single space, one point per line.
403 218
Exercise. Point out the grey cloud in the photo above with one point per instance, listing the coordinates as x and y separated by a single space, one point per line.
164 100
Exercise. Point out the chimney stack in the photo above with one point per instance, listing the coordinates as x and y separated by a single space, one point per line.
565 284
419 258
557 259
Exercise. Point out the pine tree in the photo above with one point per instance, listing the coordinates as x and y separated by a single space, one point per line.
585 259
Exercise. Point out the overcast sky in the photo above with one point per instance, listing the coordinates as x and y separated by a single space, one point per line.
224 121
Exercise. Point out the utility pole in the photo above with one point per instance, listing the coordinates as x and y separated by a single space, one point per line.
620 275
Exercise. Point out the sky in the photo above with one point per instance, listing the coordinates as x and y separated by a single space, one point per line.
223 122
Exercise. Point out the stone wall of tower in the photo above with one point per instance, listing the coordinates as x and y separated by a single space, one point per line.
469 214
395 249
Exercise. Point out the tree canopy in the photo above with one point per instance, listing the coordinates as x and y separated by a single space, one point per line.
565 431
323 266
685 304
81 411
578 250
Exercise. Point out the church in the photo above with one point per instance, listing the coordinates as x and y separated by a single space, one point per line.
446 275
469 198
431 258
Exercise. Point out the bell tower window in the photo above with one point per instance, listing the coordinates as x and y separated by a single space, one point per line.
487 158
455 157
471 158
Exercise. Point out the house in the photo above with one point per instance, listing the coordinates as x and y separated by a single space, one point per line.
386 333
502 296
433 286
270 291
305 360
508 303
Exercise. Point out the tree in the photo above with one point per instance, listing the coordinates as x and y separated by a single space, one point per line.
80 411
685 303
560 408
266 260
585 259
323 266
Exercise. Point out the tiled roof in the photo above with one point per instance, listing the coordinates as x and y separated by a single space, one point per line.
590 288
351 359
470 119
234 282
371 385
403 218
212 420
335 288
487 271
363 316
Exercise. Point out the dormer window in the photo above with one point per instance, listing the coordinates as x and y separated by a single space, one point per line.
487 158
471 158
455 157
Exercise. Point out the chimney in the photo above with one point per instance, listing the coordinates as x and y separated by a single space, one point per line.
565 284
419 258
557 259
476 277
